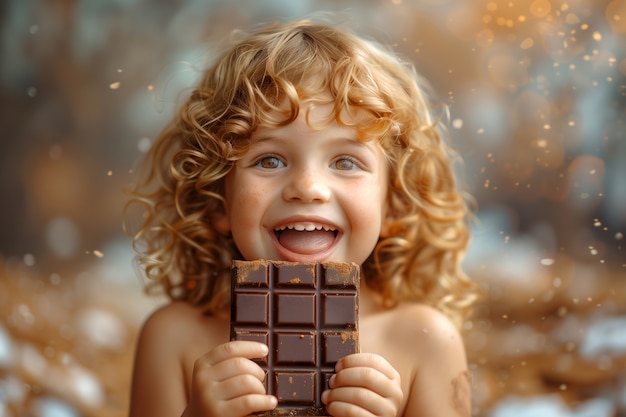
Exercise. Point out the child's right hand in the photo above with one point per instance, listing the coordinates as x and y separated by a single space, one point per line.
226 382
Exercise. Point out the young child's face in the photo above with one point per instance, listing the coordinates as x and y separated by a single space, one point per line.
305 195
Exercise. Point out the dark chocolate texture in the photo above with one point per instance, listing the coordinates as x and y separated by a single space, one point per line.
307 313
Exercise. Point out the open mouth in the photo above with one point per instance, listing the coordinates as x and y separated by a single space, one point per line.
306 238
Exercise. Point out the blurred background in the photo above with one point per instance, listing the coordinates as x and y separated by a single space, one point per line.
537 95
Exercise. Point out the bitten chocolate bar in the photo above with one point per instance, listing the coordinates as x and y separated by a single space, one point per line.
307 313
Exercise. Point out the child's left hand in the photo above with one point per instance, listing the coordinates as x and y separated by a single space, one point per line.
364 384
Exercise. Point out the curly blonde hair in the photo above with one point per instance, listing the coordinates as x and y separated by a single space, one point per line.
181 189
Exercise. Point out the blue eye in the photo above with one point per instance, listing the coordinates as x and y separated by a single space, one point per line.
269 162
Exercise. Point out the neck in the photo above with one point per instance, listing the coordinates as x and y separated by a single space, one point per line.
370 301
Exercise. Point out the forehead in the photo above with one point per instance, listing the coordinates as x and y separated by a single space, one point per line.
313 120
321 112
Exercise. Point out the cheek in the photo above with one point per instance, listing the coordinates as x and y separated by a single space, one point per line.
248 196
367 205
240 194
242 205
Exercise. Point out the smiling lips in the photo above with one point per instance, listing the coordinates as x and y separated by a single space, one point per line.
306 238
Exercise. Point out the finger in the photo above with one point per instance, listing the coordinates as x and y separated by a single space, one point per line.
369 378
236 348
249 404
367 402
368 360
232 368
238 386
340 408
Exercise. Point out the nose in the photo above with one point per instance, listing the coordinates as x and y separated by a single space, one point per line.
307 187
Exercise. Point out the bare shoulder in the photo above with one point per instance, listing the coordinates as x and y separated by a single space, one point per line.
178 327
163 322
174 315
417 326
427 349
413 335
429 324
171 339
442 366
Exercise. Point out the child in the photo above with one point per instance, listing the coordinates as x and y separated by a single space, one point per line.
304 143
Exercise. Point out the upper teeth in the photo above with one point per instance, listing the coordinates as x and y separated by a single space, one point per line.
309 227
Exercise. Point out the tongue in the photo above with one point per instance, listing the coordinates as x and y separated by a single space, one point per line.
306 242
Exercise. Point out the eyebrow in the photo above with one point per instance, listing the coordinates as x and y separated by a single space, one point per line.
261 139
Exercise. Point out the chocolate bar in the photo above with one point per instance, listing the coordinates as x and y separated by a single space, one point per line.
307 314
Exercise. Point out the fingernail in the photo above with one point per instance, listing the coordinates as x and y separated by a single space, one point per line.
331 381
325 395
